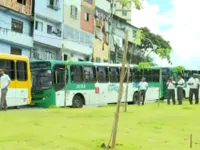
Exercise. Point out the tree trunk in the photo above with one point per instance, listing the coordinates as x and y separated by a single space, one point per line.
116 118
126 94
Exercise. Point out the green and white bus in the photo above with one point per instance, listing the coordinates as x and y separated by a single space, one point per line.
86 83
89 83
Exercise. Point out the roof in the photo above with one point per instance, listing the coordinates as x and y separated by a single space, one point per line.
13 57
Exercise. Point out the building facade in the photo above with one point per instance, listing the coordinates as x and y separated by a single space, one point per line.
87 15
21 6
123 11
48 29
15 32
101 30
77 43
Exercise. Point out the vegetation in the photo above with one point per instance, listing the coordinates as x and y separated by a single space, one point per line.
141 128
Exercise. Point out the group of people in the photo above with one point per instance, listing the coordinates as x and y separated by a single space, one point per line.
193 84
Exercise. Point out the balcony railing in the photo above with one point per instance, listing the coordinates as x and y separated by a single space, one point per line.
79 36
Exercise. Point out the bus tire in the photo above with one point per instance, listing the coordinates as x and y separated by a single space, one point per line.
18 107
77 102
184 96
135 97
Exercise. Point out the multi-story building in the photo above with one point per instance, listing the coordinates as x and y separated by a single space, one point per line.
78 43
87 15
15 28
48 29
21 6
123 11
101 29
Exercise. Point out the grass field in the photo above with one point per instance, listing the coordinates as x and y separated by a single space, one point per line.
146 127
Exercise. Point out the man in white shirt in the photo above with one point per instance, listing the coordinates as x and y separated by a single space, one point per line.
193 83
143 87
180 85
197 79
171 91
5 82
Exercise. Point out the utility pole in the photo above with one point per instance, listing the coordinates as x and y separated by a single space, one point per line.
116 119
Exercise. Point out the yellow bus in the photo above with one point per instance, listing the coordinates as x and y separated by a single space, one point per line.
18 69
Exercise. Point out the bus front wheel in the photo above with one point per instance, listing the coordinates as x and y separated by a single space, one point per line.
77 102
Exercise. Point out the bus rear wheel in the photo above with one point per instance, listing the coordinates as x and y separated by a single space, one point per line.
77 102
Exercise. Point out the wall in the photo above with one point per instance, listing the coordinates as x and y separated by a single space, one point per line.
75 22
44 37
119 11
7 35
87 8
6 48
41 8
13 4
98 52
103 4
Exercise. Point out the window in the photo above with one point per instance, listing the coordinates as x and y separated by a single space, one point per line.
54 4
49 29
126 75
76 74
102 74
89 1
23 2
59 76
138 75
65 57
15 51
21 71
124 12
114 74
89 74
17 26
86 16
148 75
98 59
39 26
73 11
155 75
9 67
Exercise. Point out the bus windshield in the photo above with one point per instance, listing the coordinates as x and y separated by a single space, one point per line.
41 79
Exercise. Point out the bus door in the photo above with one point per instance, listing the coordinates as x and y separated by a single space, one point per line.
22 84
9 69
60 71
165 77
102 84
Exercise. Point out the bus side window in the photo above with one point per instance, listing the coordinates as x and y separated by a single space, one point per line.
138 75
76 74
102 73
9 68
155 75
21 71
114 74
148 75
126 74
89 74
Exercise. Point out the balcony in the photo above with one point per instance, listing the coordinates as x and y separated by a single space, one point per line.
47 39
54 7
10 36
78 40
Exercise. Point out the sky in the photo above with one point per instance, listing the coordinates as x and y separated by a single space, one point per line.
176 21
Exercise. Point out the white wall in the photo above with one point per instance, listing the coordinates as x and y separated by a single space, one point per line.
44 37
76 3
42 9
103 4
7 35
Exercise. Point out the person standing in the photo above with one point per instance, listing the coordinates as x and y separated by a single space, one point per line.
143 87
171 91
180 85
198 83
193 89
5 82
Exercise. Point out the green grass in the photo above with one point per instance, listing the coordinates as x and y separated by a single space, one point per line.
146 127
